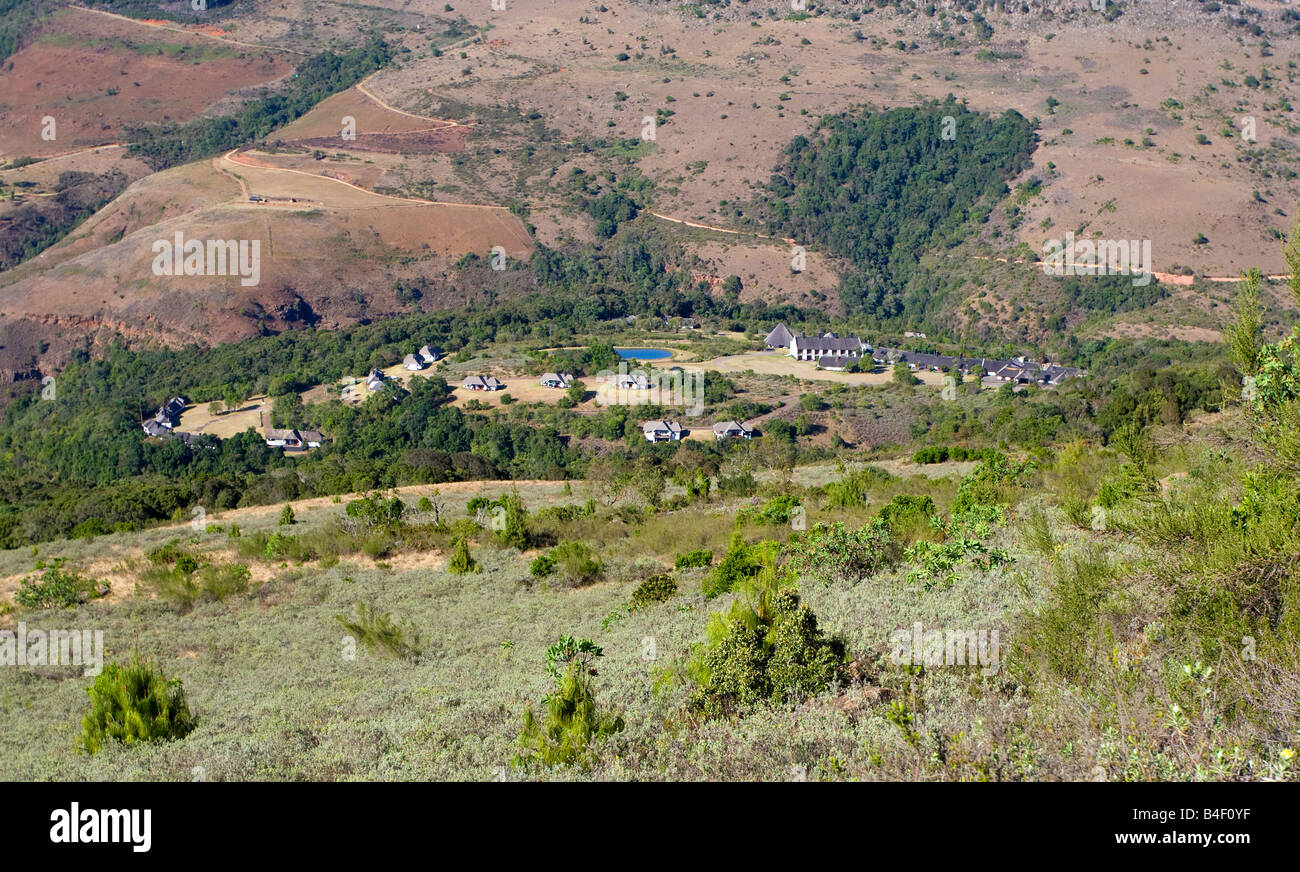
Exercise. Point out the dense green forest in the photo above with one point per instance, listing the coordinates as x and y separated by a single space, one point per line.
896 175
17 18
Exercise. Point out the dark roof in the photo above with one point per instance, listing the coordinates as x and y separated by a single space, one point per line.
830 362
829 343
780 335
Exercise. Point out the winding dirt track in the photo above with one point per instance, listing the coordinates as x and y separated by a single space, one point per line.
160 26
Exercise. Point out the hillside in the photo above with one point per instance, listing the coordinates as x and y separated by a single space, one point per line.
636 390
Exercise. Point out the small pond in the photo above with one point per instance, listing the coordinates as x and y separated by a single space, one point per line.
643 353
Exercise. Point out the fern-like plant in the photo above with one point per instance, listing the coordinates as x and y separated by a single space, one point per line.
134 703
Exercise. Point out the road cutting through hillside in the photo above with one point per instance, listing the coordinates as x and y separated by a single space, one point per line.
231 156
160 26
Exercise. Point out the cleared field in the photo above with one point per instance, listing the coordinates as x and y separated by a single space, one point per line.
374 128
776 363
126 73
250 416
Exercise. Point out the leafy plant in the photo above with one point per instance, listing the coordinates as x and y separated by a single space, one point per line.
766 648
835 554
693 559
57 587
462 562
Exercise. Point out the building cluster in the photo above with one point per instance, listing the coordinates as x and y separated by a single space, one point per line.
163 423
830 351
294 440
671 431
561 380
425 357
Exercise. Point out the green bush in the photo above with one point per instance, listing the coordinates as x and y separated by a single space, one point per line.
855 488
740 563
836 554
766 648
514 533
906 511
694 559
186 581
573 717
575 563
57 588
134 703
777 510
542 566
741 484
462 561
655 589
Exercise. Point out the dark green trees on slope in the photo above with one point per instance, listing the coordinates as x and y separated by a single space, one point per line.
880 189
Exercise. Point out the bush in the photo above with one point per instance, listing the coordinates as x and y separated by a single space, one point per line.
575 563
514 533
693 559
57 588
573 717
766 648
376 513
542 566
777 510
854 489
832 554
739 485
655 589
462 561
286 516
185 581
741 563
992 482
134 703
907 511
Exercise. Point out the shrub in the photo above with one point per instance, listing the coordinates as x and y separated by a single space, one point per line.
134 703
514 531
655 589
286 516
740 563
573 717
575 563
374 512
832 554
992 482
766 648
186 581
379 632
57 588
777 510
854 489
741 484
906 511
931 454
693 559
542 566
462 561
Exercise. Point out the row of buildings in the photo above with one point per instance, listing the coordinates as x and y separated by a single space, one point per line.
671 431
833 352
